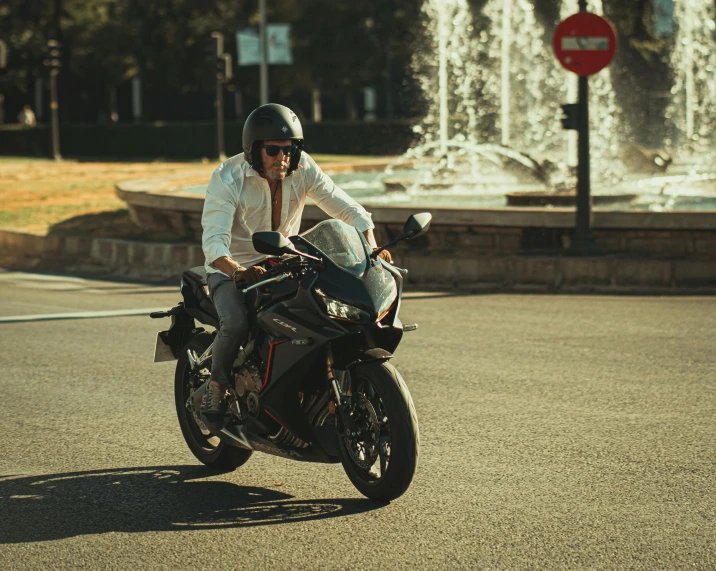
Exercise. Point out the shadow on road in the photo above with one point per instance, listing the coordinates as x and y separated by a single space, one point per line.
159 498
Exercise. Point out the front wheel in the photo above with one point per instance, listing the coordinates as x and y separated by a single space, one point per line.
205 446
381 460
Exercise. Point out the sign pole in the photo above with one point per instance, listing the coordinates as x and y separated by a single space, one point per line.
54 62
584 242
263 50
584 44
3 64
55 116
219 39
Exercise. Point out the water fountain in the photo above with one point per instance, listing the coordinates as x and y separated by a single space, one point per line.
691 177
454 153
494 107
605 144
492 127
693 58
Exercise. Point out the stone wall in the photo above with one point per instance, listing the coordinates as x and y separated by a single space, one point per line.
505 248
467 250
670 252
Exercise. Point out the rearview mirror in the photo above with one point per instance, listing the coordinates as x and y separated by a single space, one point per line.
414 226
417 225
271 243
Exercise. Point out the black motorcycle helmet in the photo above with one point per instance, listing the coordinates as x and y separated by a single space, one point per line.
271 122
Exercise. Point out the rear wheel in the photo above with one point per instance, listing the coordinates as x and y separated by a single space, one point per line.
207 448
381 459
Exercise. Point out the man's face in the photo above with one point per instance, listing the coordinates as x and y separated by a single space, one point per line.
276 167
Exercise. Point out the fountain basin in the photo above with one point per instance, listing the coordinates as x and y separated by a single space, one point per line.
547 198
459 236
401 185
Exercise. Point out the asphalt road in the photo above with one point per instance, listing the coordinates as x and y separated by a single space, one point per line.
556 431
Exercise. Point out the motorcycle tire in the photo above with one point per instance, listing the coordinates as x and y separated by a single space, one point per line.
389 414
207 448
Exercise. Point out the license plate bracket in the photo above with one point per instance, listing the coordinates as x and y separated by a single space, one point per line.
162 351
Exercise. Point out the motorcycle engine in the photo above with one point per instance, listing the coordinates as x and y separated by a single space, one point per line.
247 382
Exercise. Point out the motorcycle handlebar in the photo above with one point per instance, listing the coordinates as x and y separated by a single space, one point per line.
279 278
288 265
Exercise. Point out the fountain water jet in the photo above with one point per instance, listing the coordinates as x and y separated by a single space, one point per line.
462 124
693 60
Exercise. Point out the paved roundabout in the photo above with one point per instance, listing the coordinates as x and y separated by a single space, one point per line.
557 432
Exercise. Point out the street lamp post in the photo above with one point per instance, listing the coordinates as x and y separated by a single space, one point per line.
219 37
263 51
54 63
223 71
3 64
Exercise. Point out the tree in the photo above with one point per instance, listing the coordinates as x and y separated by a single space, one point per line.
349 44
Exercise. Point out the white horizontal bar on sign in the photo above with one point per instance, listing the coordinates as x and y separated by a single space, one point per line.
585 43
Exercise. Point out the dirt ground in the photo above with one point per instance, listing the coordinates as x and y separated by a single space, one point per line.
73 197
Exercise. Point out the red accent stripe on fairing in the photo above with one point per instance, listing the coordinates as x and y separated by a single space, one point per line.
269 364
276 419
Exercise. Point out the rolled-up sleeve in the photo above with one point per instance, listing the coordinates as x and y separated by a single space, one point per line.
217 219
333 200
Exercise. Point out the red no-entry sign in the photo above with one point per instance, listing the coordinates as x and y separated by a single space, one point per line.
585 43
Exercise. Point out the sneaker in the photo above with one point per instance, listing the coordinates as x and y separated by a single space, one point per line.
213 407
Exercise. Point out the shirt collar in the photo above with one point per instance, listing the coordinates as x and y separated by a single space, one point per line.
249 169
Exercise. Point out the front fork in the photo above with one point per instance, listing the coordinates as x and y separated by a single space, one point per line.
340 381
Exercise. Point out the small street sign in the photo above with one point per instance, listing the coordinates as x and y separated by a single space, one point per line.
585 43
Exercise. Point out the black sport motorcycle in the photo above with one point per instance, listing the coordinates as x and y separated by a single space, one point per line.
314 381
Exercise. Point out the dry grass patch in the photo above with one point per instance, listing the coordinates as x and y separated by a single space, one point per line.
39 195
72 197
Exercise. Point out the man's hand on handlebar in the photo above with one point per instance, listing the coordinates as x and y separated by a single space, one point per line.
385 255
243 276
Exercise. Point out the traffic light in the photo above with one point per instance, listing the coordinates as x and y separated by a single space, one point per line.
3 54
214 52
570 116
223 66
210 50
54 56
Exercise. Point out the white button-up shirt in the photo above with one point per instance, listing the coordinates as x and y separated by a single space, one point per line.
238 203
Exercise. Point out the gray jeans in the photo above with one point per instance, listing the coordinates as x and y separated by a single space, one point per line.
233 331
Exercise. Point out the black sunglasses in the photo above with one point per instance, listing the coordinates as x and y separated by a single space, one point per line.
274 150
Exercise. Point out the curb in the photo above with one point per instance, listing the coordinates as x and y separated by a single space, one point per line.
144 261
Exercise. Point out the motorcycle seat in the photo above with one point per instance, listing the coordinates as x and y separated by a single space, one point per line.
197 274
196 296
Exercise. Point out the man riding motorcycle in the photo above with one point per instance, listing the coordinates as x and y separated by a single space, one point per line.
263 188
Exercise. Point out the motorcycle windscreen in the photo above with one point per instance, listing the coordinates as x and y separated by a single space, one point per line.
343 244
381 287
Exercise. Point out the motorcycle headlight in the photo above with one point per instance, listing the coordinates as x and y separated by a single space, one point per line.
339 310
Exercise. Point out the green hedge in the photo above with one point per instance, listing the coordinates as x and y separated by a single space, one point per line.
196 140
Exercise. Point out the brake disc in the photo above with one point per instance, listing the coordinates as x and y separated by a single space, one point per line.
364 452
